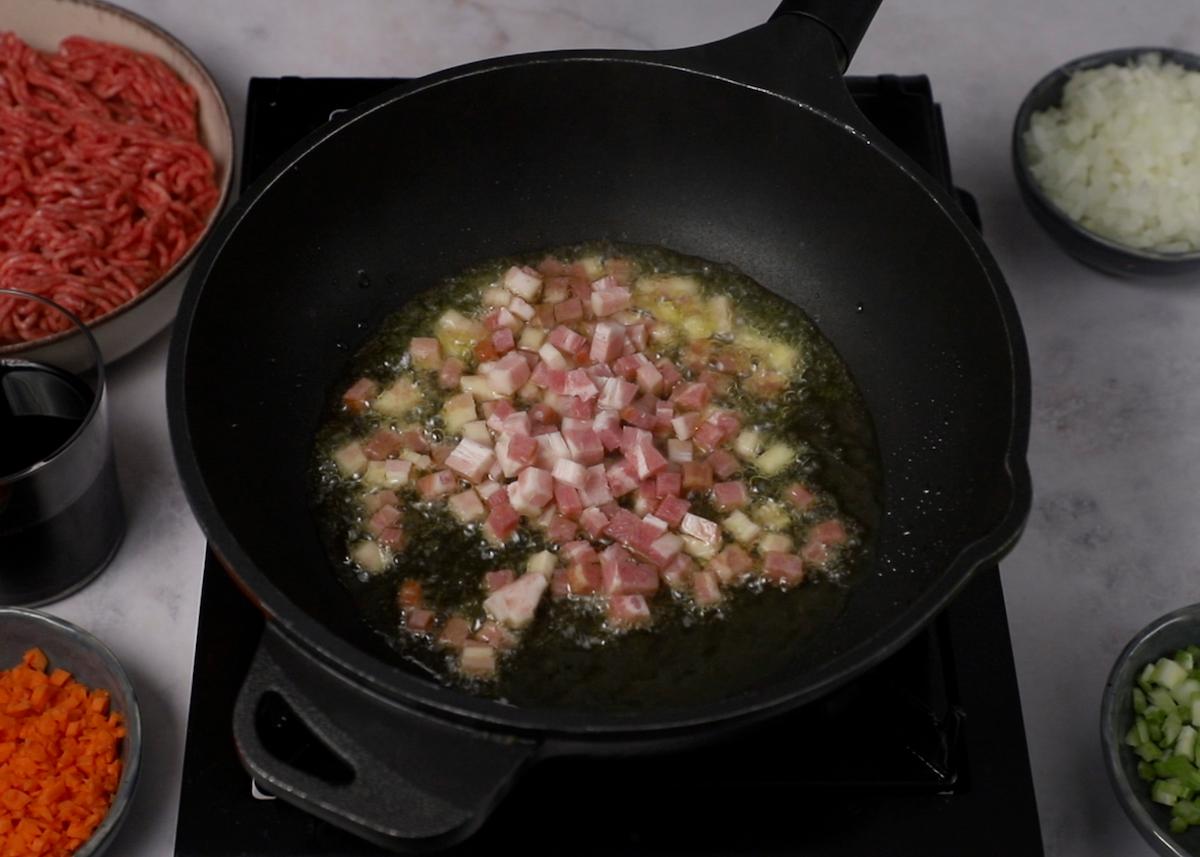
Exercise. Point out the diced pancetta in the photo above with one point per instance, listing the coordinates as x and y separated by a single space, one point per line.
700 528
514 605
466 507
551 447
723 464
608 339
524 281
621 479
609 300
596 490
568 310
503 519
350 459
626 577
783 568
706 589
607 425
508 375
358 397
628 611
439 484
593 521
471 460
697 476
580 384
728 496
667 484
663 549
799 496
570 473
678 572
533 489
672 510
692 396
679 451
616 394
451 373
566 340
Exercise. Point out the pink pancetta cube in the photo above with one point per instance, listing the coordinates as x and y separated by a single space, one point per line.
799 496
609 300
578 551
697 476
646 459
496 636
382 444
569 310
608 339
566 340
672 510
596 490
623 527
533 489
439 484
383 518
707 437
703 529
667 485
467 507
579 408
551 447
626 367
607 425
521 308
426 352
639 336
561 529
685 425
723 463
567 499
593 521
784 568
706 589
559 588
678 572
498 579
664 549
503 340
569 472
679 451
514 605
649 379
450 373
691 396
552 359
670 374
584 444
621 479
580 384
471 460
616 394
583 578
523 281
420 621
628 611
503 519
358 397
508 374
523 449
627 577
728 496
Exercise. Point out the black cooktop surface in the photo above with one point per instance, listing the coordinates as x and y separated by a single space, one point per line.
924 755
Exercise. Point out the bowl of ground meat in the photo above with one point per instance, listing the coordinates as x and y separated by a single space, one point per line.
115 160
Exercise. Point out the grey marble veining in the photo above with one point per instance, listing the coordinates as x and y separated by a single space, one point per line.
1115 450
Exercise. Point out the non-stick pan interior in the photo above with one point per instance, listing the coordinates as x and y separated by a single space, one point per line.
540 154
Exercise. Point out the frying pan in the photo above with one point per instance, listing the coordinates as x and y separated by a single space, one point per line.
748 151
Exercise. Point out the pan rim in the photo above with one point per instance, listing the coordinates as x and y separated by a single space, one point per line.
411 691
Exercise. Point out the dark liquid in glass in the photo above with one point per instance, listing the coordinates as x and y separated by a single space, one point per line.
61 522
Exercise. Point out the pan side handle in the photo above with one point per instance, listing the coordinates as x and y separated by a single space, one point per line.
384 773
846 19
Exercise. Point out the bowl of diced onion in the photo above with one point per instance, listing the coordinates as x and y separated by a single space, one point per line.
1106 151
1150 732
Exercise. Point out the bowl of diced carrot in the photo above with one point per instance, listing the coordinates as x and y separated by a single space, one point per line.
70 738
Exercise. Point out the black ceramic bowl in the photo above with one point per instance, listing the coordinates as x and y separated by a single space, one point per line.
1085 245
1161 638
89 661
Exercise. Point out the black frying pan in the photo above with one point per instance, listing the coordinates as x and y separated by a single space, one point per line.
747 151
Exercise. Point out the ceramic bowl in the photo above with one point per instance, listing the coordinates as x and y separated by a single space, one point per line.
1161 638
1086 246
43 24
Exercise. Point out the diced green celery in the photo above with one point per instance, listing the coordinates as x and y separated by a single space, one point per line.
1156 730
1186 691
1178 825
1149 752
1168 673
1166 792
1194 651
1170 729
1139 700
1184 658
1154 714
1132 738
1185 744
1146 772
1161 697
1186 810
1178 767
1144 677
1196 713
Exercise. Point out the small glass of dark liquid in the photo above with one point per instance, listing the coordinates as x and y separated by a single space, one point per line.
61 516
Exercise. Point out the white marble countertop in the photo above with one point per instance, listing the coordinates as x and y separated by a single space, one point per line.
1115 450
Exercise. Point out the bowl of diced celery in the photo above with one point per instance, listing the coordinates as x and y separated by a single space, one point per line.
1150 730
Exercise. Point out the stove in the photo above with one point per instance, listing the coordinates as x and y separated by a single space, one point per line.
923 755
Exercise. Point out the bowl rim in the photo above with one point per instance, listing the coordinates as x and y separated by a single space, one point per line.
1112 745
133 720
224 129
1021 122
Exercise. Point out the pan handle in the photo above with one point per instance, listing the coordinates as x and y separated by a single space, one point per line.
801 52
383 772
846 19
